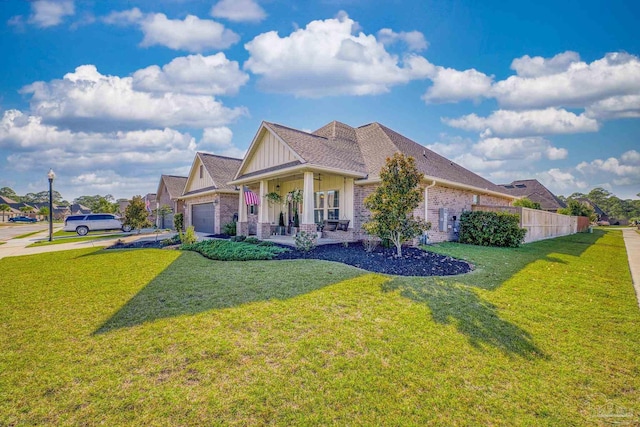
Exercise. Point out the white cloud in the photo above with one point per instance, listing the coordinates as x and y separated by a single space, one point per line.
616 107
451 85
193 74
414 40
525 123
49 13
238 10
88 100
580 85
124 163
327 58
191 33
219 141
561 181
537 66
628 165
527 149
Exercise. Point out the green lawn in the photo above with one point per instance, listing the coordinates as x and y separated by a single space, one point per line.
60 240
546 334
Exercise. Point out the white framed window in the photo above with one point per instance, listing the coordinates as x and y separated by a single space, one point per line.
476 200
326 205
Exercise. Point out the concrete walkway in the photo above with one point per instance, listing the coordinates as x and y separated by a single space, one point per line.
18 247
632 242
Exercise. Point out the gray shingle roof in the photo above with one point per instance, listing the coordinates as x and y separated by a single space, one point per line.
174 185
222 169
536 192
365 149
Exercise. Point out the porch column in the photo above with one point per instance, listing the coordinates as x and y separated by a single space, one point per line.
307 224
264 227
242 226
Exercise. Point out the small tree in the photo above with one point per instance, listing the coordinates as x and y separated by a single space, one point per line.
576 208
26 209
4 208
136 214
44 211
393 201
178 222
525 202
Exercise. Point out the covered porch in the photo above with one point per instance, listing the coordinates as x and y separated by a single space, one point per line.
308 200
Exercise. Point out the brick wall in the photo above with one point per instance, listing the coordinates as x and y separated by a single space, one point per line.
455 200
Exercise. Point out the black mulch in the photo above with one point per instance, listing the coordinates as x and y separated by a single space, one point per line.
414 261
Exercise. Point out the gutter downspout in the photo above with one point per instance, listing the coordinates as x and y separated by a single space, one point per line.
426 203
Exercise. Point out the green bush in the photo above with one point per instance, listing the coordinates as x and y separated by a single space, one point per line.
189 236
491 229
238 238
252 240
225 250
178 222
229 228
306 242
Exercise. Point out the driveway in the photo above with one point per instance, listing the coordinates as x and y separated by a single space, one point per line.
8 232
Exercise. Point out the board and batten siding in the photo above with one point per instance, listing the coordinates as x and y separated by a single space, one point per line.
270 152
197 183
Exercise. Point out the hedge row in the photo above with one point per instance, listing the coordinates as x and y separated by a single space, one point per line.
491 229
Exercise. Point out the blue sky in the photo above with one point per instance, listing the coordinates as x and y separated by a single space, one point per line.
113 94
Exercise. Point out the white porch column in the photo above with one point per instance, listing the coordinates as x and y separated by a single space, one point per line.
263 210
307 201
242 207
348 200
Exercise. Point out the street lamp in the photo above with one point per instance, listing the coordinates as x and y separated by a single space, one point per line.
51 176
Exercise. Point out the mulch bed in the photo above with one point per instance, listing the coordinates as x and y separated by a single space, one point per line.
414 261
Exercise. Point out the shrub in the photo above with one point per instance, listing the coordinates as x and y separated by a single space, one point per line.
252 240
189 236
178 222
226 250
238 238
491 229
306 242
172 240
229 228
370 244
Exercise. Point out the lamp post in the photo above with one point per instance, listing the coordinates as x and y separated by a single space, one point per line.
51 176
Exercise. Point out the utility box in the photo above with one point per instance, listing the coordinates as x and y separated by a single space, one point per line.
443 221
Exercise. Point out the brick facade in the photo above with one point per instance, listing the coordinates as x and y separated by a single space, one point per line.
225 207
454 200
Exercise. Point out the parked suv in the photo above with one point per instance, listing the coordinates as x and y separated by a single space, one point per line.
82 224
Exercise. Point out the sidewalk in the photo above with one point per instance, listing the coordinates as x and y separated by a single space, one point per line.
18 247
632 242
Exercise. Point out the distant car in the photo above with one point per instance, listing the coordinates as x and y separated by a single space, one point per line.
22 219
82 224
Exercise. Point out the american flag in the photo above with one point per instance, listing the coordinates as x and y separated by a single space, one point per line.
146 204
251 198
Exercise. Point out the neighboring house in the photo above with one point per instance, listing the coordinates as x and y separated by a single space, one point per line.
209 201
601 216
336 167
150 205
169 194
536 192
14 209
122 206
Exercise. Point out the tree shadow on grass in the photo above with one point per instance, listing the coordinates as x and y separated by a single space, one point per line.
193 284
477 319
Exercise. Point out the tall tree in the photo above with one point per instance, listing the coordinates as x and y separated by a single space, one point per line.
4 208
98 203
393 201
8 192
136 214
576 208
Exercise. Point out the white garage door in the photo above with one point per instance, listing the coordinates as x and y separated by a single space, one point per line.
202 217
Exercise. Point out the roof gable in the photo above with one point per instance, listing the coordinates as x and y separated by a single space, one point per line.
173 185
268 150
211 172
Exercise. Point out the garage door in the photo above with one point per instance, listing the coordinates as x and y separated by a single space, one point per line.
202 217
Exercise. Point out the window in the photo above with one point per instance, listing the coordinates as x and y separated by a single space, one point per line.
476 199
253 210
326 205
318 207
201 171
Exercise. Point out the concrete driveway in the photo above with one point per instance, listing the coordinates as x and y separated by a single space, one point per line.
9 230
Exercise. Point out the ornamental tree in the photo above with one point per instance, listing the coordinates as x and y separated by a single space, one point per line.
136 214
393 201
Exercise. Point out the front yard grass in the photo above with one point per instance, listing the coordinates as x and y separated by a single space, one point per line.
62 240
545 334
